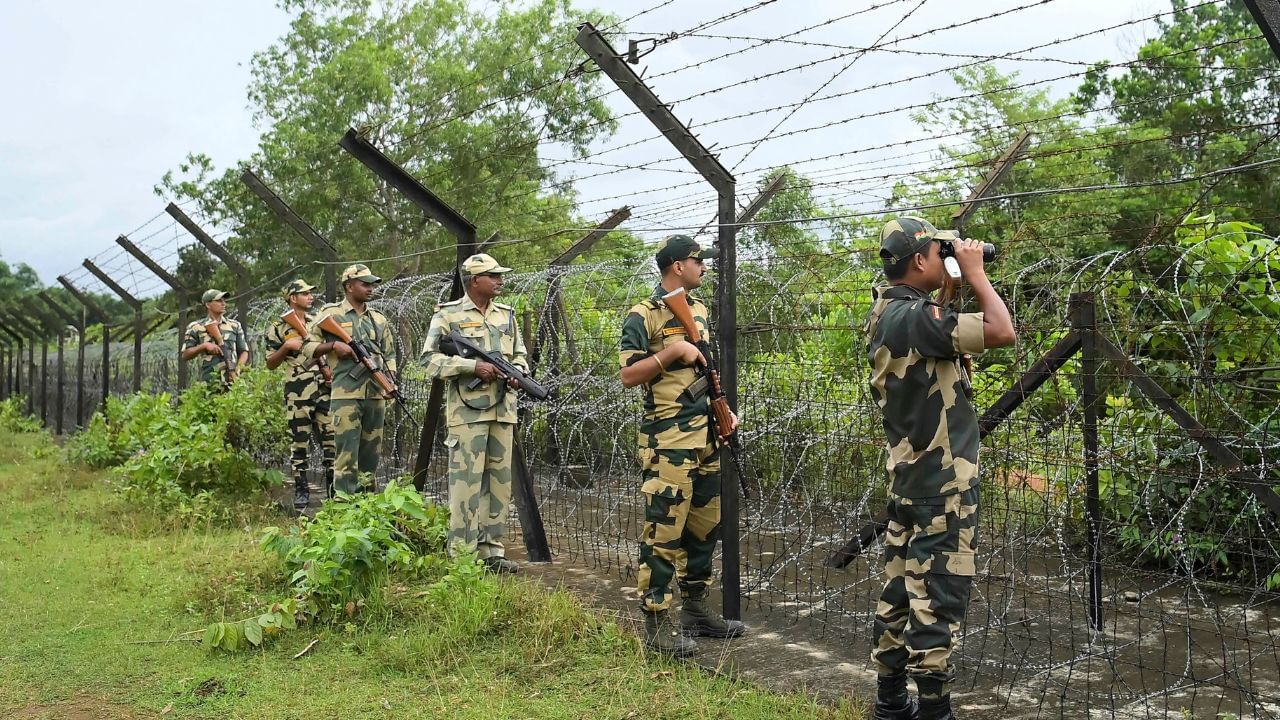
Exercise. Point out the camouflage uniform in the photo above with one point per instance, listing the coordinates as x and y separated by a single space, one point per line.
680 466
482 421
931 429
357 408
306 399
210 369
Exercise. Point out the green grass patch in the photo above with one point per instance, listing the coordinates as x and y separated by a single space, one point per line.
97 600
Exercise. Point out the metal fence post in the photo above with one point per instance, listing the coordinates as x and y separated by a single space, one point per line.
1084 321
726 306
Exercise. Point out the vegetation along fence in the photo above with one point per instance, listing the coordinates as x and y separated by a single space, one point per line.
1130 536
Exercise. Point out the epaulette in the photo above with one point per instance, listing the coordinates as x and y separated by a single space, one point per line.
504 307
449 303
651 304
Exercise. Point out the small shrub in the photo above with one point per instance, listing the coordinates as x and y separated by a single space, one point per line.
342 558
194 458
14 419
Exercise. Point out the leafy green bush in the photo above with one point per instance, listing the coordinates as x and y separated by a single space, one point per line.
191 456
341 559
122 430
14 419
1168 508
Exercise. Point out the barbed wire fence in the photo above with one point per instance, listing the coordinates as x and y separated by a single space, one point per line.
1128 559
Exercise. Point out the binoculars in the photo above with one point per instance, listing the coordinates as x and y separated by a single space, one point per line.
947 250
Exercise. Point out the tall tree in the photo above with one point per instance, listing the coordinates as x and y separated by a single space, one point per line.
461 96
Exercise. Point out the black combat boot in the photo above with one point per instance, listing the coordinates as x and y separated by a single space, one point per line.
662 636
893 702
699 619
500 565
301 492
936 708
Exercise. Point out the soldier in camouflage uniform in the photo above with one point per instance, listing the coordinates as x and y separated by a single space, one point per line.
306 392
481 421
357 404
918 380
678 457
197 341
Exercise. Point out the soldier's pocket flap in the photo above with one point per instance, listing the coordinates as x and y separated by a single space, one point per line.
962 563
663 491
646 456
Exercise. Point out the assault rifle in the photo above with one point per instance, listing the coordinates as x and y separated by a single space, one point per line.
330 325
298 324
677 301
228 354
455 344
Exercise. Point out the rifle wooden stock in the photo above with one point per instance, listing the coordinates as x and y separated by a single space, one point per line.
677 301
293 319
330 325
229 359
298 324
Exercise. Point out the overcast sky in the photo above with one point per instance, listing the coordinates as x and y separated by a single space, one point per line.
103 98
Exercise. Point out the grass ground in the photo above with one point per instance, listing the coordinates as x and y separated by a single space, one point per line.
95 599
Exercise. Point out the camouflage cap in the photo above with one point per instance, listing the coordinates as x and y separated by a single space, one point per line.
481 264
904 237
297 286
359 272
210 295
681 247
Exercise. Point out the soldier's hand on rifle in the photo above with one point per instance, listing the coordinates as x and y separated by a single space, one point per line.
688 353
513 383
343 350
733 427
969 258
211 348
293 345
486 371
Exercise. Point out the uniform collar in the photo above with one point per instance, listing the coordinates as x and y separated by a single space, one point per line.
347 307
901 292
468 304
659 291
208 319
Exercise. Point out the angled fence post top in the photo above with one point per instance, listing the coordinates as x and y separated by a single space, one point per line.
584 243
613 65
85 300
286 213
106 279
218 249
16 319
1266 13
384 167
164 275
60 311
993 178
